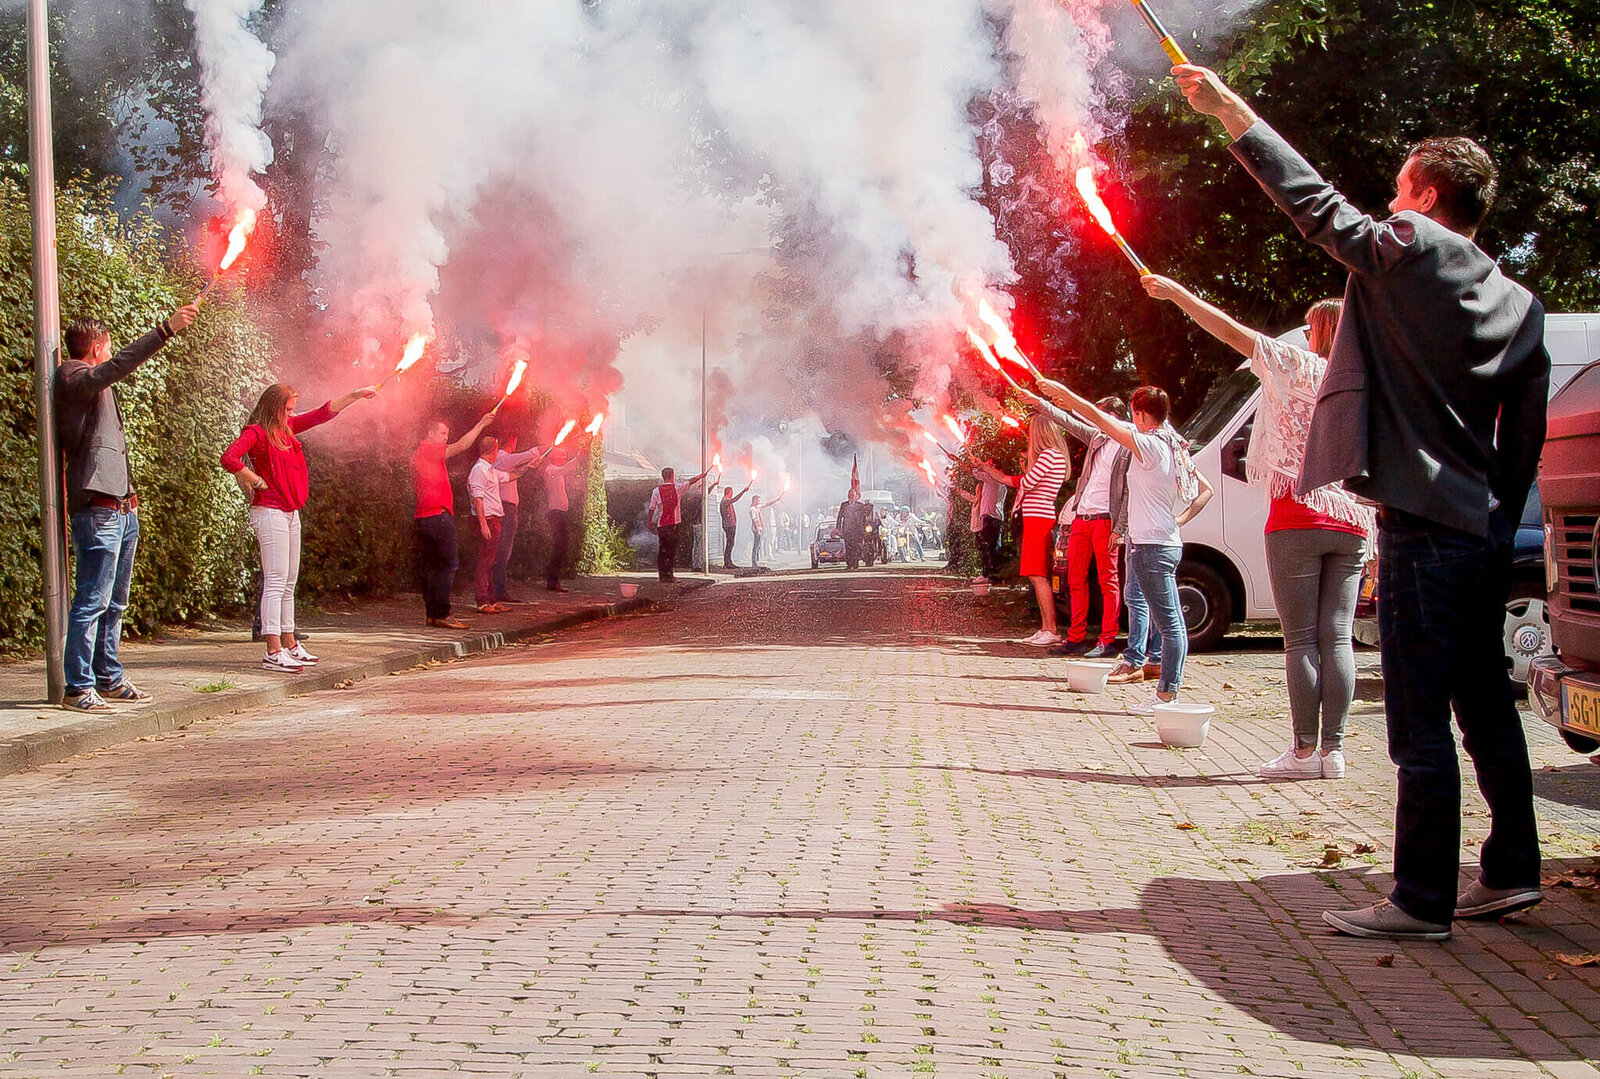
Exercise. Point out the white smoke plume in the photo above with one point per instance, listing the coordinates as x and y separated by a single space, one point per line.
235 70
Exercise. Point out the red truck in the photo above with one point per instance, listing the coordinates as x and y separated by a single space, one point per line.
1564 688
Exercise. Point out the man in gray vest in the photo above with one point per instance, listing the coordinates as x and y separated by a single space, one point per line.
101 501
1433 407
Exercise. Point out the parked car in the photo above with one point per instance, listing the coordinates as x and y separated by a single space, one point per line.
1223 576
827 546
1564 687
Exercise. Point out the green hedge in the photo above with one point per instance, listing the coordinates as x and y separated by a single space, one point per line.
180 409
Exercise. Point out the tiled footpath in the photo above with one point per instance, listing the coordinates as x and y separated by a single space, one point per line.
195 674
817 826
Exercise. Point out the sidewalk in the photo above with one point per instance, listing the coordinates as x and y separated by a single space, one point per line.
195 674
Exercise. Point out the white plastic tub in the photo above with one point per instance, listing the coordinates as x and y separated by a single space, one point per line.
629 589
1088 675
1182 725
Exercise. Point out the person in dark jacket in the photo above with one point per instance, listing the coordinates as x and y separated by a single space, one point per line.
101 501
730 521
1433 407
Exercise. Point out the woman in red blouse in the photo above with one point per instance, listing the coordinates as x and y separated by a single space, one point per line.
1048 470
276 478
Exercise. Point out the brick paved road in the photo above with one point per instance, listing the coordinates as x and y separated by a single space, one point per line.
814 826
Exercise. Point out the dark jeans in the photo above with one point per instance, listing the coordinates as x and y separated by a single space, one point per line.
104 543
989 543
436 554
728 536
756 540
667 555
560 531
488 551
855 549
1441 617
508 540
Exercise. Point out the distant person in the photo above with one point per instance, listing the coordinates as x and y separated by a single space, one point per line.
512 462
269 462
758 527
1316 542
853 520
1141 659
488 515
1433 407
1047 471
990 513
558 469
102 504
730 521
435 517
665 514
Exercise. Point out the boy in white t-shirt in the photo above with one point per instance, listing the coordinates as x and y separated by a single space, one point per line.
1164 491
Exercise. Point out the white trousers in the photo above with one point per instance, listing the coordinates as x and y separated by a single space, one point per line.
278 535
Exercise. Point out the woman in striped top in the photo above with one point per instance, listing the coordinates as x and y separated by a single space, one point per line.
1038 488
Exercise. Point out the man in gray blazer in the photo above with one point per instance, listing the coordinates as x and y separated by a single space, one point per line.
1433 407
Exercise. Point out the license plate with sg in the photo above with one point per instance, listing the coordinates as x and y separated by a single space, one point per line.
1580 707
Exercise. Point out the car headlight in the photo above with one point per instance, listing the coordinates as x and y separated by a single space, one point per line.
1552 573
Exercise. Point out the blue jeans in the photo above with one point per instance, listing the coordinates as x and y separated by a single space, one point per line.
1144 643
1441 617
1155 567
103 545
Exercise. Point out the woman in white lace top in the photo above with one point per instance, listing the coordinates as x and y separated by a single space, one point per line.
1316 543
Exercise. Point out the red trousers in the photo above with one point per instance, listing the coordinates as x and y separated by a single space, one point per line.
1092 539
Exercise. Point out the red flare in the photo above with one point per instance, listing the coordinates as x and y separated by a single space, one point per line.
1098 209
1010 421
955 428
983 349
927 469
238 236
566 430
413 352
1005 342
595 424
716 459
786 484
516 377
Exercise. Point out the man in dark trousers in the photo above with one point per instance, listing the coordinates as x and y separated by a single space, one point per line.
101 501
730 521
1433 407
665 514
854 516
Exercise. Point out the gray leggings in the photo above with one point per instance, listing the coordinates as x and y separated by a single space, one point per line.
1316 573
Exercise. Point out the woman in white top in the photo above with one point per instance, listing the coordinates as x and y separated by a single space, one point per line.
1316 542
1037 490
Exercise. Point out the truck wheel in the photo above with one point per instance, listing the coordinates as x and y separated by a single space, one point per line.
1527 633
1578 743
1207 604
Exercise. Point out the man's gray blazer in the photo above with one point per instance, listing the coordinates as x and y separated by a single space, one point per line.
1435 394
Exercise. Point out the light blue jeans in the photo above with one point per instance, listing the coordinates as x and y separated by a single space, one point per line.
104 542
1155 567
1144 643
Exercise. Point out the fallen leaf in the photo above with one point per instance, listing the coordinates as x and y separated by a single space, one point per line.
1592 959
1332 856
1365 848
1184 826
1385 960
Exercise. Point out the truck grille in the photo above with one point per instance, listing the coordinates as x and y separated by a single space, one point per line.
1575 560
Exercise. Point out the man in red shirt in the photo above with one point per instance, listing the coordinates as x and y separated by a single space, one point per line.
435 516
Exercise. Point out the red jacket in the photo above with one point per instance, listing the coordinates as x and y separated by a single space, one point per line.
284 468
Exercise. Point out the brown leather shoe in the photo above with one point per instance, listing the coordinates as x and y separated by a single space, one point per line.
447 622
1152 671
1124 673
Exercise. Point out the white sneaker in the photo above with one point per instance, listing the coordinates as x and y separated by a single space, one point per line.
281 661
1147 706
1333 765
1287 766
299 654
1042 639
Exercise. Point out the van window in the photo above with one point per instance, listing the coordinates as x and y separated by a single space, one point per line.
1227 396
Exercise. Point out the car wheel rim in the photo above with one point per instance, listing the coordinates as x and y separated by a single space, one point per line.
1196 608
1527 635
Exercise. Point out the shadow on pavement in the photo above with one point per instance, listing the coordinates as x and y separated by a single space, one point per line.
1574 785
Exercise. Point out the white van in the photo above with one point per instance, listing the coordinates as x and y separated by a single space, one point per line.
1223 578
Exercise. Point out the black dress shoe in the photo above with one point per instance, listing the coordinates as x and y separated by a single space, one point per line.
1070 648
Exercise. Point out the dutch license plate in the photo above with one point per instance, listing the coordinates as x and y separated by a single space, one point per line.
1580 707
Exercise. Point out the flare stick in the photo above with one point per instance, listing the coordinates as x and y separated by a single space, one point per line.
1153 21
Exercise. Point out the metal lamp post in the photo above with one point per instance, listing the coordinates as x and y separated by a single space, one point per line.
46 339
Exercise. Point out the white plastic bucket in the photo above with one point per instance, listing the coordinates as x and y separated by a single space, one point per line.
1088 675
629 589
1183 725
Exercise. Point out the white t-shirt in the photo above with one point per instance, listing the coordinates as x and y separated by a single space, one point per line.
1153 502
484 482
1096 496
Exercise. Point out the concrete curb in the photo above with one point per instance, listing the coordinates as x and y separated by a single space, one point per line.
77 735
